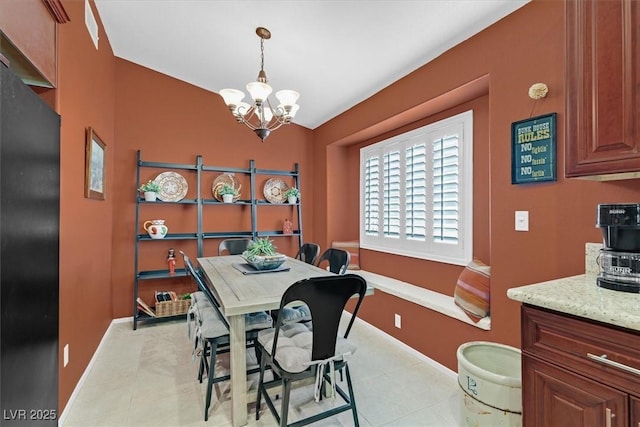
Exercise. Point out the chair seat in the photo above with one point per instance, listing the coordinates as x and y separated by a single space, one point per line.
293 352
212 327
200 299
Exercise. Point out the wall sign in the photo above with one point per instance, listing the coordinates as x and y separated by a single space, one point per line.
533 149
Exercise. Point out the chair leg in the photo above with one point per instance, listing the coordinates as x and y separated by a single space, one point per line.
211 376
284 411
203 367
263 364
352 397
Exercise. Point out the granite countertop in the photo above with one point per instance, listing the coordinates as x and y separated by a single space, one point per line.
581 296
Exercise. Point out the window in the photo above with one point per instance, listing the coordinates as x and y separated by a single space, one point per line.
417 192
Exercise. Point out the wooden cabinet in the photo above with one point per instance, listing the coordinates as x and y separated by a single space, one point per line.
200 203
635 412
602 138
28 39
578 372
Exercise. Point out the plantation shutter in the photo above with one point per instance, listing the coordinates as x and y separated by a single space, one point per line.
416 191
446 185
391 194
371 193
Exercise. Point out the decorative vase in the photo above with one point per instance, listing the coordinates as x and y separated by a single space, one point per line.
150 196
156 228
227 198
292 199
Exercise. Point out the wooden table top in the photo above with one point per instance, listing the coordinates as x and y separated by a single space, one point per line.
240 293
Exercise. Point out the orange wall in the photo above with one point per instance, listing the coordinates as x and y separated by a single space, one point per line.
85 96
522 49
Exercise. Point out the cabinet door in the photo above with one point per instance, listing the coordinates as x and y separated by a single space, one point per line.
635 412
554 397
603 87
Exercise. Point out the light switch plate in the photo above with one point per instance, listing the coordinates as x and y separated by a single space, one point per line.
522 220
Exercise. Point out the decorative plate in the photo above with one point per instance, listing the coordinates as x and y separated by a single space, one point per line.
225 178
173 186
274 190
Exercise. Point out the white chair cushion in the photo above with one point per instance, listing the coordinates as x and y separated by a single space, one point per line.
296 314
257 320
211 326
294 346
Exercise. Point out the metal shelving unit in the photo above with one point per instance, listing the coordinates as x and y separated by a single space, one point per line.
201 235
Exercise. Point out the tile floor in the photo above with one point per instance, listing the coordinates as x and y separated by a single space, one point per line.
148 378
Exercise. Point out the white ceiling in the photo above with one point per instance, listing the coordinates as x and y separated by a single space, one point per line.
335 53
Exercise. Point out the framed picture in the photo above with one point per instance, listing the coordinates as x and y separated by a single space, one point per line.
94 174
533 150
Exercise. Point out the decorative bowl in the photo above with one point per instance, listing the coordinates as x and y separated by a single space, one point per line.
267 262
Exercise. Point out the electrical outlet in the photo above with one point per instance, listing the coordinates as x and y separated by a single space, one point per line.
398 321
65 356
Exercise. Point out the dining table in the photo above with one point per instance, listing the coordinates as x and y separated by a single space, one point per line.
240 290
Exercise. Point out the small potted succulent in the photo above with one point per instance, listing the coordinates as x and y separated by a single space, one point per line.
228 193
262 255
150 190
292 194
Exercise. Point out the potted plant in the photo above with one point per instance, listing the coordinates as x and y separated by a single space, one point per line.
292 194
228 193
150 190
262 255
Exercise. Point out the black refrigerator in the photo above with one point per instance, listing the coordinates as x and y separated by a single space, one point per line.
29 255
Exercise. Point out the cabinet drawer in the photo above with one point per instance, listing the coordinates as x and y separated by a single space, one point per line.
580 346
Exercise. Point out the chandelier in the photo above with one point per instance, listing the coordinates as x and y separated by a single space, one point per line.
260 116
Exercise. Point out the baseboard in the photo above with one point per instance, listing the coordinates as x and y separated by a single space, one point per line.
78 387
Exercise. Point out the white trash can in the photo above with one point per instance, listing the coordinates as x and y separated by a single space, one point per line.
490 377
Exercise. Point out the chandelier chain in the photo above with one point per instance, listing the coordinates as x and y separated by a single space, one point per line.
262 54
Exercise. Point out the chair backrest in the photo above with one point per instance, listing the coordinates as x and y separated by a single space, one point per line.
233 246
191 271
196 277
338 260
326 297
308 253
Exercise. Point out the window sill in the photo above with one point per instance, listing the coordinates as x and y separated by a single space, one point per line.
424 297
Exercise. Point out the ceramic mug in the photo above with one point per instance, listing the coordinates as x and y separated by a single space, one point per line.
156 228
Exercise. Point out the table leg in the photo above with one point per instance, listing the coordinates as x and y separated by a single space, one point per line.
238 357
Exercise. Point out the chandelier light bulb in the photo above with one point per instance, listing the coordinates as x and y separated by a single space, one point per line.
259 91
260 116
232 96
287 97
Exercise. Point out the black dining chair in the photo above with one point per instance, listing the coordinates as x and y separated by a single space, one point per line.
308 253
295 352
233 246
338 260
212 332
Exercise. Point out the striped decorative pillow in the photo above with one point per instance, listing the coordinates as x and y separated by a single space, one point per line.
353 247
473 290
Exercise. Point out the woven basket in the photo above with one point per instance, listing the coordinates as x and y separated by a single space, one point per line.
172 308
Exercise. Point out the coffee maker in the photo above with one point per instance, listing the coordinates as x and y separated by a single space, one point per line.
620 258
